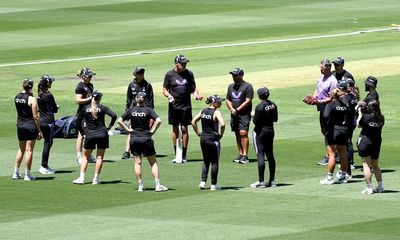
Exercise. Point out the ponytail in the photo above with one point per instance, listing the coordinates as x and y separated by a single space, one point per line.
94 108
374 108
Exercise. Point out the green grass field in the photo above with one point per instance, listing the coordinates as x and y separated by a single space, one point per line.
63 32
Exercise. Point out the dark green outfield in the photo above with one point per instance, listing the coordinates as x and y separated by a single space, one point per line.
299 208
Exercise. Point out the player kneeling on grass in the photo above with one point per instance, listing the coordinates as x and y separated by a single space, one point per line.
371 121
265 114
141 142
213 127
96 134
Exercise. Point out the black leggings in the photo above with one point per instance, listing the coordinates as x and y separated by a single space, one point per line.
211 150
264 147
48 131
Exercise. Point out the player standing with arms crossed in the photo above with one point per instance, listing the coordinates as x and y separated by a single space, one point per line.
138 84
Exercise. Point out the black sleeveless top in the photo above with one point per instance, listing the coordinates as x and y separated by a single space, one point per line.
24 111
209 127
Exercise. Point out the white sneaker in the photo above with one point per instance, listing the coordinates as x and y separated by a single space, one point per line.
215 187
96 181
140 187
327 181
258 184
352 167
341 177
78 160
46 171
29 177
16 176
175 161
379 190
367 191
92 159
161 188
79 180
202 185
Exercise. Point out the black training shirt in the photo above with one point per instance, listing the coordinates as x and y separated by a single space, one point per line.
47 107
140 120
371 126
265 114
24 111
85 90
94 125
134 88
335 114
180 86
237 94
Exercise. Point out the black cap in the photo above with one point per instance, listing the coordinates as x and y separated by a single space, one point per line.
342 85
138 69
46 79
371 81
350 82
141 94
338 61
214 98
237 71
181 59
86 72
28 83
97 95
263 91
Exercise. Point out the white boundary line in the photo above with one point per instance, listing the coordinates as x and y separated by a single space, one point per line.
199 47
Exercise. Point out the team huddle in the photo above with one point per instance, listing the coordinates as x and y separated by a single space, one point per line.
336 97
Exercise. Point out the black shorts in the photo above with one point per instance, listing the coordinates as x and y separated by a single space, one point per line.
240 122
367 148
27 131
337 136
179 116
99 138
142 146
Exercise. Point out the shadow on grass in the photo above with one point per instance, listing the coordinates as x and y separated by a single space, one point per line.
161 155
390 191
195 160
64 171
153 189
231 188
387 170
114 182
44 178
108 161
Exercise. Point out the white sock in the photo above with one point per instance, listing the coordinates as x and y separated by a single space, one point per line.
96 176
157 181
78 154
82 175
369 185
330 175
140 182
16 169
27 172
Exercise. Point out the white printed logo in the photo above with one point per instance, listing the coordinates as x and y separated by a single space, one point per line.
181 83
269 107
340 108
138 114
236 96
19 100
374 124
205 116
90 110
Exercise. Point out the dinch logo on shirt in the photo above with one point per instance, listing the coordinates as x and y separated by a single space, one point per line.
88 110
184 82
138 114
206 116
269 107
20 100
340 108
374 124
